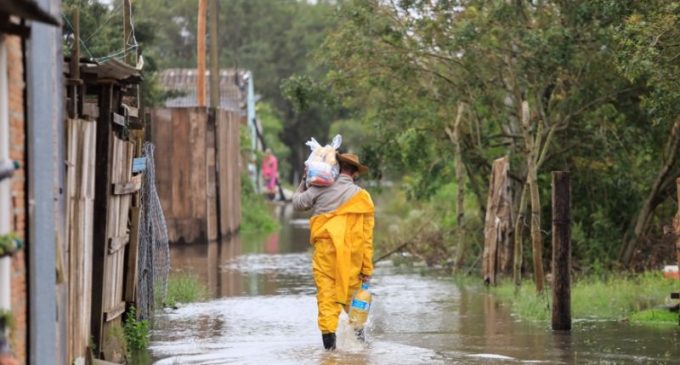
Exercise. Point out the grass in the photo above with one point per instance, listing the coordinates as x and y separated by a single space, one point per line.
184 288
655 316
614 298
256 217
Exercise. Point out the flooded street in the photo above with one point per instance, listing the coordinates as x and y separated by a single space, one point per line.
264 312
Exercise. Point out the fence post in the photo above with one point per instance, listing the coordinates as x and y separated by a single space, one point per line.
561 253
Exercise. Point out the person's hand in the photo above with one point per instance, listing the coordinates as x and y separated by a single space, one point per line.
364 278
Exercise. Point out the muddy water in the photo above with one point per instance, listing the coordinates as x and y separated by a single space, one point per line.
264 312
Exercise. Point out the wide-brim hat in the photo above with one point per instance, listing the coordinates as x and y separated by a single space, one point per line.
352 159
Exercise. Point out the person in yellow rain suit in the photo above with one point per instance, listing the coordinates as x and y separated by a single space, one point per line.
341 231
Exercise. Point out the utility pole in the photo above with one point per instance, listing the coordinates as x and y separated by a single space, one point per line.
214 55
200 54
127 31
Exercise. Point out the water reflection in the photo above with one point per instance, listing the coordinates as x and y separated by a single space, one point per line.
219 264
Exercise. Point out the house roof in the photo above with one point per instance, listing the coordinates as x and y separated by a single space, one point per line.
27 9
183 81
113 69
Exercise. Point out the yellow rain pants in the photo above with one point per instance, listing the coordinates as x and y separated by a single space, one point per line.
343 249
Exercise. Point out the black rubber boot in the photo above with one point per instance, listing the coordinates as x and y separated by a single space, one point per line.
328 341
360 334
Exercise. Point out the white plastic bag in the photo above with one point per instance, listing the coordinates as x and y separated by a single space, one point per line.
321 165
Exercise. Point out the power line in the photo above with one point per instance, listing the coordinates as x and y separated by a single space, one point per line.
118 54
106 21
82 42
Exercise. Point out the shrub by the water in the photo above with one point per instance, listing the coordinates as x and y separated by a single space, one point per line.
255 214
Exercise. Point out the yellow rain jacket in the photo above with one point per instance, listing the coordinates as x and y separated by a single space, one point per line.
343 249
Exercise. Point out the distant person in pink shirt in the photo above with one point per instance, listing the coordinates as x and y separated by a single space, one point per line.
270 173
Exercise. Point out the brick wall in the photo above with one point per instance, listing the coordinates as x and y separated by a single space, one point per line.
18 153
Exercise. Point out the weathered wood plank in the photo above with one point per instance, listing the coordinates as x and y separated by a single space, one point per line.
131 111
131 271
236 171
114 312
101 209
130 187
118 242
118 119
212 186
90 110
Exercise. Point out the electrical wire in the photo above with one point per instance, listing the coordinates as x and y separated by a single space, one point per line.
119 54
82 42
101 26
132 27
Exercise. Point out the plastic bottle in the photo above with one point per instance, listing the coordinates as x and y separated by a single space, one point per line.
361 304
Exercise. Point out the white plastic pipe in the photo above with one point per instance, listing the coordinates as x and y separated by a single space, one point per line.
5 185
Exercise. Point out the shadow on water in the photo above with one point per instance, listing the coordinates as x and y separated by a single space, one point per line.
263 311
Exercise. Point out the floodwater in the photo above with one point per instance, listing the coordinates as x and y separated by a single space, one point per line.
264 312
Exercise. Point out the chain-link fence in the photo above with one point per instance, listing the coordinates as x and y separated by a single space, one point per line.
154 252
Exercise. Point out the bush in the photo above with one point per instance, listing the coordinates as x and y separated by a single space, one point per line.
136 331
255 214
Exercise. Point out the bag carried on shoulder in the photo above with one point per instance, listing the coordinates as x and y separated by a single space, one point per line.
321 165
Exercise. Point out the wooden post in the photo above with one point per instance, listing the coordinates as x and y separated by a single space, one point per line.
75 52
200 54
131 270
127 31
101 210
497 223
561 254
214 55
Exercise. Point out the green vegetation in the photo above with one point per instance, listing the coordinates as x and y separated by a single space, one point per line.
6 320
9 244
653 316
426 225
634 297
184 288
136 331
256 217
587 87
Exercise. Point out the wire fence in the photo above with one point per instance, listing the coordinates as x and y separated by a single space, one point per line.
154 251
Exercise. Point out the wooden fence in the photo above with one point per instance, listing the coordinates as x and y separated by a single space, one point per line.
198 172
80 160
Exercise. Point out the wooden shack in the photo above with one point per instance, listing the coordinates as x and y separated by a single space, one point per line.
104 134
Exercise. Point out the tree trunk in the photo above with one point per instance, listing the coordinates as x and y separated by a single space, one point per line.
497 223
460 196
519 238
532 146
644 216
